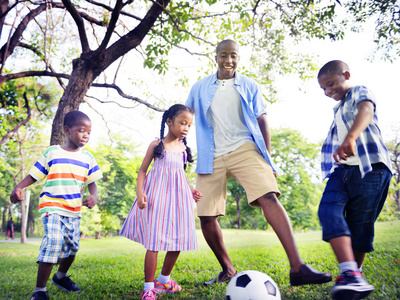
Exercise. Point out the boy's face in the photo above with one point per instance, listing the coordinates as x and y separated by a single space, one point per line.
78 135
227 59
335 86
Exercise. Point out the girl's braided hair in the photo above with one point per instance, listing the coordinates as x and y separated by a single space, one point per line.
171 113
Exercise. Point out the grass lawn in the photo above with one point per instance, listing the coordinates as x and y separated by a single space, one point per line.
112 268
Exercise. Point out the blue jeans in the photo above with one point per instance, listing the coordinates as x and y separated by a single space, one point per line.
350 204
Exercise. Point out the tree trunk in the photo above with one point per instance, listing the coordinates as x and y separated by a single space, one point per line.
90 64
23 214
81 79
4 221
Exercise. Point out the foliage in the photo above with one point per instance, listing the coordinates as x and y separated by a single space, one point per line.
26 143
90 221
386 15
299 186
119 166
391 209
112 268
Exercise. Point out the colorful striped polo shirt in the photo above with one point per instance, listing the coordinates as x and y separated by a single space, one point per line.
67 172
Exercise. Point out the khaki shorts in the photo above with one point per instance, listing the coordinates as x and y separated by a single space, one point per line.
247 167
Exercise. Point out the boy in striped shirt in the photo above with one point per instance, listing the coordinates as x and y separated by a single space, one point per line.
66 169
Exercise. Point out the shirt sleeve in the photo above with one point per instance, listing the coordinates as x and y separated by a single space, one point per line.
94 172
362 93
258 102
40 169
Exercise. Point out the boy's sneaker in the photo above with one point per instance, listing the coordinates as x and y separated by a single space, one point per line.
351 285
40 296
66 284
170 287
149 295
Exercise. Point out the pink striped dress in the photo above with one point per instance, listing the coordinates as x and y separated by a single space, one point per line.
168 221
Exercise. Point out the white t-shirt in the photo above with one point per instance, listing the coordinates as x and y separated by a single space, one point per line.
342 133
226 117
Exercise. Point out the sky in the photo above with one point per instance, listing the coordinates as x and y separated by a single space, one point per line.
301 106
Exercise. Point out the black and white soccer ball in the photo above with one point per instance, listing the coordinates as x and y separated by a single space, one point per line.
252 285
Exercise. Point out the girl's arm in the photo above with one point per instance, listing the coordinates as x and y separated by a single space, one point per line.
362 120
142 197
90 201
18 194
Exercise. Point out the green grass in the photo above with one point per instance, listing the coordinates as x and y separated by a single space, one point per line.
112 268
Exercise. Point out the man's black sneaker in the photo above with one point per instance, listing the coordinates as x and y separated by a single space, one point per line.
66 284
40 296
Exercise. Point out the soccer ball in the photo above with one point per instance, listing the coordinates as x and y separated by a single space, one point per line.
252 285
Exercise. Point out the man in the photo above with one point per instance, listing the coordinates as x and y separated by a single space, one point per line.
233 140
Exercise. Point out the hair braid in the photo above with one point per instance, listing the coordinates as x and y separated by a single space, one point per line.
188 151
158 150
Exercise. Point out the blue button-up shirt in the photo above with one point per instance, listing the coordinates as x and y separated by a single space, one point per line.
199 100
370 146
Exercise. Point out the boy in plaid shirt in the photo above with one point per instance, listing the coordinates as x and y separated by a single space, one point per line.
357 163
67 168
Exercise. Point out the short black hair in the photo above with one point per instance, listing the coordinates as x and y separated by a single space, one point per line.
74 117
225 42
334 67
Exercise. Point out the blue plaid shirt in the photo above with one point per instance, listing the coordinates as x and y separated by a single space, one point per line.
199 100
370 146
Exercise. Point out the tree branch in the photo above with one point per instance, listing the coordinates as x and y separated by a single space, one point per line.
79 23
38 53
5 52
132 39
7 77
114 18
109 8
121 93
15 129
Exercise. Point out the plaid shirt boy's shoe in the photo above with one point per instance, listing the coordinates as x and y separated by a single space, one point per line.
40 296
66 284
170 287
351 285
149 295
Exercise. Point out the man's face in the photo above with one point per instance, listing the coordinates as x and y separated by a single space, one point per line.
227 59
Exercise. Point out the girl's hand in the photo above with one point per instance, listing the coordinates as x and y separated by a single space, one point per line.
196 195
90 201
142 201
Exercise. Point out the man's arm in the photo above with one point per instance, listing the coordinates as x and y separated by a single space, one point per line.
263 124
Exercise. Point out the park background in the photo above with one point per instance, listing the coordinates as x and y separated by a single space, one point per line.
283 43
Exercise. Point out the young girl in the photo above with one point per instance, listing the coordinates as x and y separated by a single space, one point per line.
162 216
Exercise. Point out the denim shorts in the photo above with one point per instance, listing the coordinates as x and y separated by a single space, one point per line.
61 238
350 204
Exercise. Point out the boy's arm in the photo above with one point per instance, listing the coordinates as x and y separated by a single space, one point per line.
90 201
18 194
263 124
361 122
